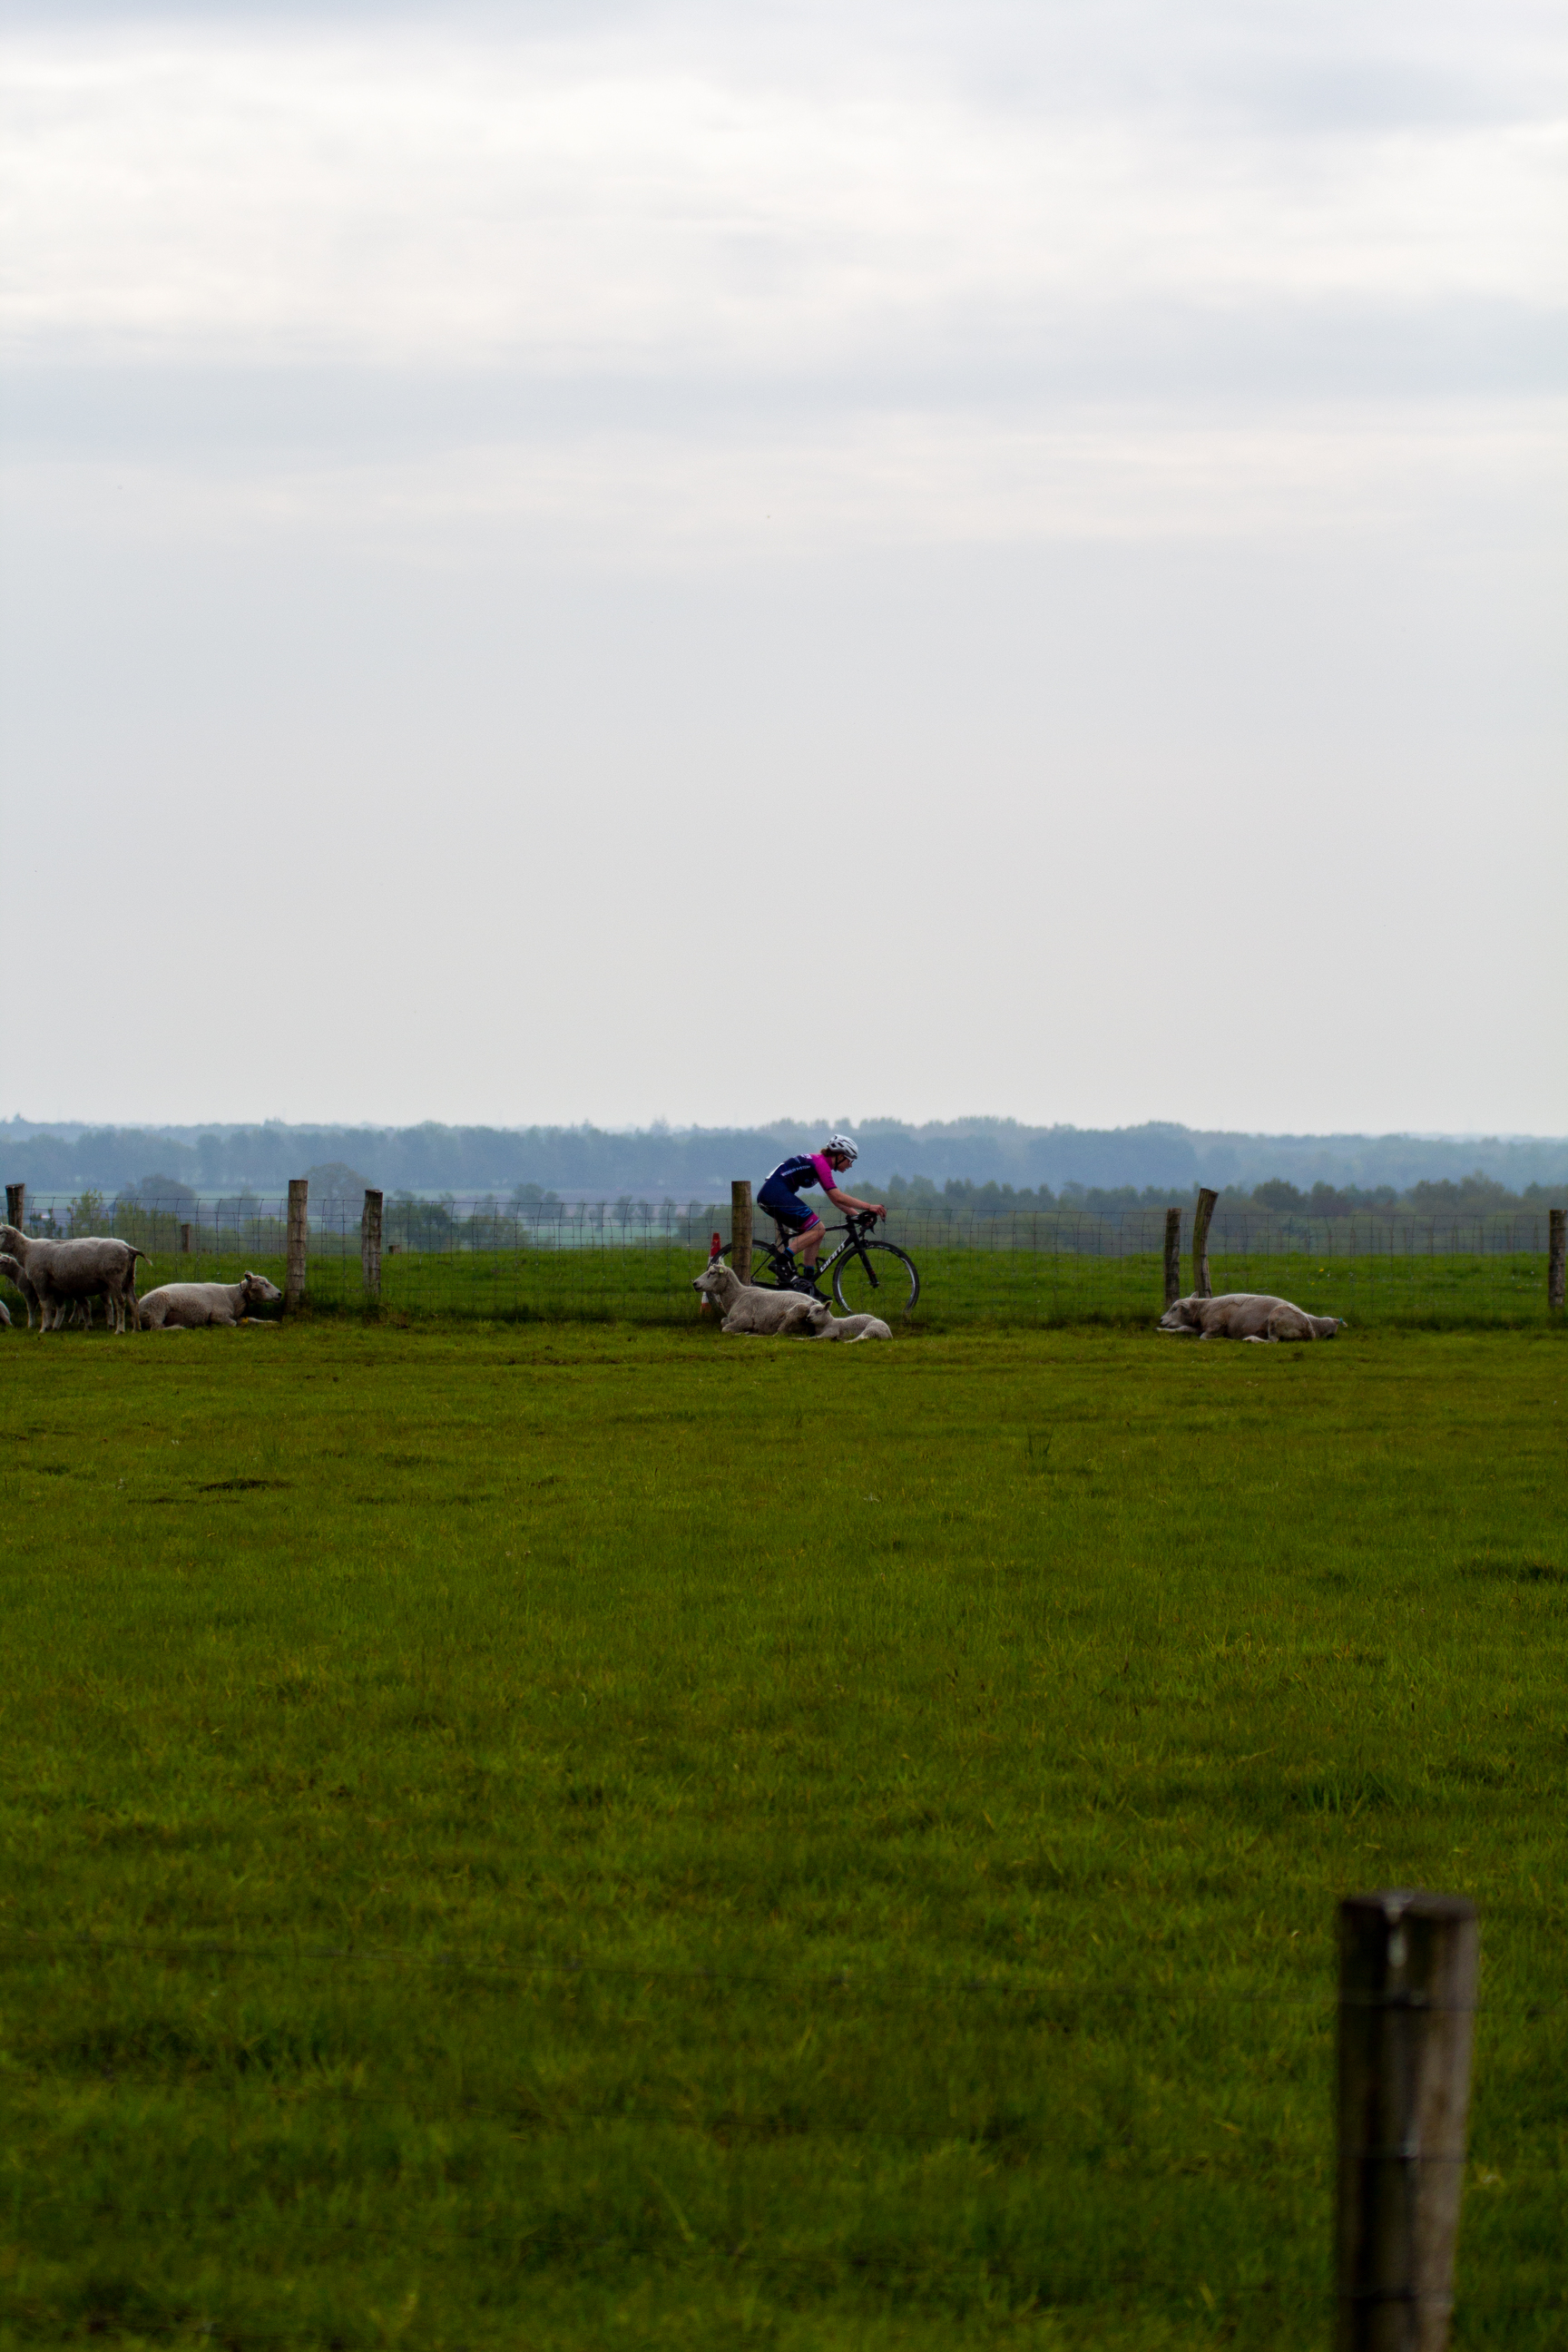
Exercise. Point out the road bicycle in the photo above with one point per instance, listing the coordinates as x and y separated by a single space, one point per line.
869 1277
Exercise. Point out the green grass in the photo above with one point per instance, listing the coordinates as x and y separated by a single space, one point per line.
961 1288
566 1838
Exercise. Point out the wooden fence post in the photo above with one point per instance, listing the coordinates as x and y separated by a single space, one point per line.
370 1248
741 1227
298 1243
1201 1216
1556 1253
1172 1256
16 1206
185 1241
1407 2000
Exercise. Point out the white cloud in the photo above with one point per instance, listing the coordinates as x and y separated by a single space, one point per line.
1036 461
405 199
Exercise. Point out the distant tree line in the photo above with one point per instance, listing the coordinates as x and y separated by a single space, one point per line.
1147 1164
1473 1195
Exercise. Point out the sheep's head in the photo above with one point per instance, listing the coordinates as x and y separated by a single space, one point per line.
1182 1315
711 1281
258 1292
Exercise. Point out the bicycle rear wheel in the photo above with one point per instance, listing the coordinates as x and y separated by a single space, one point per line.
876 1279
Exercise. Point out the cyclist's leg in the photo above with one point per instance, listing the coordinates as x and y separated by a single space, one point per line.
808 1242
783 1207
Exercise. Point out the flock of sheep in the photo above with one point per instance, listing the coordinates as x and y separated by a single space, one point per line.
761 1313
60 1281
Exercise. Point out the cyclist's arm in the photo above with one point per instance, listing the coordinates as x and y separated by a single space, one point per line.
847 1201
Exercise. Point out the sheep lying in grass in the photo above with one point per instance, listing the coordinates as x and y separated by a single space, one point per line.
774 1314
853 1328
763 1314
1246 1314
190 1305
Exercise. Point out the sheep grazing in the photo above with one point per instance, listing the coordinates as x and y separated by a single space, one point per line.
774 1314
1246 1314
192 1305
61 1273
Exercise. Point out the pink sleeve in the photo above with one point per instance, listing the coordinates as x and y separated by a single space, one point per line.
825 1176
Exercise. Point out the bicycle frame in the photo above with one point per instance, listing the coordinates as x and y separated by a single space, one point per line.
855 1225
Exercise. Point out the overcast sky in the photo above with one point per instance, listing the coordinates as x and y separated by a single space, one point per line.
617 561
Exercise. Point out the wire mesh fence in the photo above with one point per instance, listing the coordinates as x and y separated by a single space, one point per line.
631 1260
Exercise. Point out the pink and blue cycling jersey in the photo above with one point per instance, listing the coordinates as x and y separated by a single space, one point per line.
779 1193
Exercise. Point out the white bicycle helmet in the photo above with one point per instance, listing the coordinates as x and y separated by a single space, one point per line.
846 1144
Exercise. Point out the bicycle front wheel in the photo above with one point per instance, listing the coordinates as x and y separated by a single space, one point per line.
876 1279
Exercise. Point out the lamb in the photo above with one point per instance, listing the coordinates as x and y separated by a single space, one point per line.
189 1306
1247 1315
853 1328
749 1308
60 1273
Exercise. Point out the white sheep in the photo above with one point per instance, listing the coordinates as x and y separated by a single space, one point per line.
853 1328
60 1273
772 1314
191 1306
1246 1314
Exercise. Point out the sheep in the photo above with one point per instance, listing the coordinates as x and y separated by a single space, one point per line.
745 1307
853 1328
81 1314
748 1307
62 1272
188 1306
1247 1315
13 1271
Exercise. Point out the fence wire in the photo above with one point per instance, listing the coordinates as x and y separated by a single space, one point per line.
631 1260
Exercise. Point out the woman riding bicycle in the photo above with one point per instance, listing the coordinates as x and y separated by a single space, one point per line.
779 1196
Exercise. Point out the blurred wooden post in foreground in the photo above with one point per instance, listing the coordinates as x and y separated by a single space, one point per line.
1172 1256
370 1248
297 1244
1407 2001
741 1227
1556 1253
1201 1216
16 1206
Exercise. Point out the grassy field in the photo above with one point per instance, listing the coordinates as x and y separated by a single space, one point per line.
563 1838
962 1289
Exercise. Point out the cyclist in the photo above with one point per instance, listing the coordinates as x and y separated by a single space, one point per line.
779 1196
